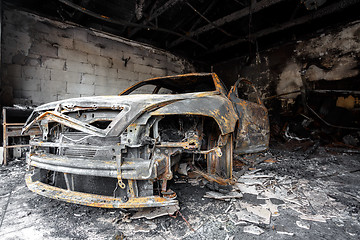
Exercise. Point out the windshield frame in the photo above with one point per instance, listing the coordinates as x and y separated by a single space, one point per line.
219 86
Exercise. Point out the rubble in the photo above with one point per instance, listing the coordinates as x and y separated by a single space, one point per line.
316 218
253 230
222 196
244 217
303 224
285 233
183 169
151 213
284 199
263 214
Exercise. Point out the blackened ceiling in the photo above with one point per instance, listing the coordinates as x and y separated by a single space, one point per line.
202 30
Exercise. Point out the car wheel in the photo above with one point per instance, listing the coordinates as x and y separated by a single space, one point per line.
220 164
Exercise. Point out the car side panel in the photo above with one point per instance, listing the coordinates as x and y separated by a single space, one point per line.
217 107
253 130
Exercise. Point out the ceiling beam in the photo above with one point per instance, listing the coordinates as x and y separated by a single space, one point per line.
205 18
229 18
156 14
301 20
198 21
125 23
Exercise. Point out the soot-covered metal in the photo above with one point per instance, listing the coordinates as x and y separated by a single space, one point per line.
121 151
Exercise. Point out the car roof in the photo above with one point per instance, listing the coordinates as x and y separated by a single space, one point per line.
181 83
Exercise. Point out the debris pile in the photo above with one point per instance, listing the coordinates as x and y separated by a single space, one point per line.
265 195
261 195
285 196
274 193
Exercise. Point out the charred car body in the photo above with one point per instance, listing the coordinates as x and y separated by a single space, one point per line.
120 151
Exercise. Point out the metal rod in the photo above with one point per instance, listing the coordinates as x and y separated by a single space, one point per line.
195 24
125 23
329 124
15 146
156 14
5 137
213 24
67 181
14 124
282 94
227 19
343 92
317 14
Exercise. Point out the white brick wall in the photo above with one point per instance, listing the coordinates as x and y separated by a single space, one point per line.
66 76
54 63
76 88
88 79
99 60
35 72
72 55
85 47
79 67
107 72
57 87
43 62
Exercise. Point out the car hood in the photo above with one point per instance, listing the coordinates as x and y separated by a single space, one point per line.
132 106
144 100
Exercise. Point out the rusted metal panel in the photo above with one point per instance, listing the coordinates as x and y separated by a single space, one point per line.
95 200
217 107
253 130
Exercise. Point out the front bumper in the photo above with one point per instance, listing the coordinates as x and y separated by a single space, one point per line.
94 200
140 169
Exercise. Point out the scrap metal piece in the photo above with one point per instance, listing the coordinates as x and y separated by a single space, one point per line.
253 230
119 176
151 213
223 196
94 200
213 178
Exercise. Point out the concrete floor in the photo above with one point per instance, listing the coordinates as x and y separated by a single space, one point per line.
314 196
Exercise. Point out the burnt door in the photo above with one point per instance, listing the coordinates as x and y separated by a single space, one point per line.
252 132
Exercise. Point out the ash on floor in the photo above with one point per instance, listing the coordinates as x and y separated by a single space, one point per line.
297 194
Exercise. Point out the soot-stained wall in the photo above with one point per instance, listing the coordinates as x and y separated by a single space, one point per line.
332 55
45 60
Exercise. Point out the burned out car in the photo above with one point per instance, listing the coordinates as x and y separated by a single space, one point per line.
121 151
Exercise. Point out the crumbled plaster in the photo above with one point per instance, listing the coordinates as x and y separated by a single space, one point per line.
290 80
331 56
345 40
343 67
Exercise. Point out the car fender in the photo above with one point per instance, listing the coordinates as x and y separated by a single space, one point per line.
218 107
